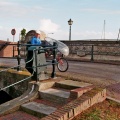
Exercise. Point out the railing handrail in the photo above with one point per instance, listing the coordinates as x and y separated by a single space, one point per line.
53 62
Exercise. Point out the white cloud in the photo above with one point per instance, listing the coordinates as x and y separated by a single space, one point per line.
11 9
61 34
48 26
3 3
94 35
1 27
102 11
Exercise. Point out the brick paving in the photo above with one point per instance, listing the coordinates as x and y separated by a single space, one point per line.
19 115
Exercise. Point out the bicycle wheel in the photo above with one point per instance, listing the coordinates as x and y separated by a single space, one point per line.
62 65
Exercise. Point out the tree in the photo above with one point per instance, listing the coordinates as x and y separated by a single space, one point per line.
23 33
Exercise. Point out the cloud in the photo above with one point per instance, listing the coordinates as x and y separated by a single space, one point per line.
83 35
61 34
15 9
9 9
1 27
3 3
94 35
48 26
102 11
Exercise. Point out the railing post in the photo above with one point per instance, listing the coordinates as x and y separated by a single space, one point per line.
54 60
92 49
13 52
18 57
35 76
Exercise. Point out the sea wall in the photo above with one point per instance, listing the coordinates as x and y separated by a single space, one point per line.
94 50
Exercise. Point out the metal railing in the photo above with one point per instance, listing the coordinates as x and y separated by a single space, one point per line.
18 57
91 52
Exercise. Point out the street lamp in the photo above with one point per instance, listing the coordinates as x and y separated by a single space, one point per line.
70 22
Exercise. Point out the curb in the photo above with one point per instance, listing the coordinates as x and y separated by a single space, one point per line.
113 99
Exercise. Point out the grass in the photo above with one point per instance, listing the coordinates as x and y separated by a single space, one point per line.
107 110
114 104
93 115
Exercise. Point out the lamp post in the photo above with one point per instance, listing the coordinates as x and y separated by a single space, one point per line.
70 22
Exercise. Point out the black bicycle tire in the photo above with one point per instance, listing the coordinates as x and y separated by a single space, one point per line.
66 66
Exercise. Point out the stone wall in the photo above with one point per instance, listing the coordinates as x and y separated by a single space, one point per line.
11 76
96 50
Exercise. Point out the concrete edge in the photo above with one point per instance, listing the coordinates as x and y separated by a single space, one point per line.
94 61
113 99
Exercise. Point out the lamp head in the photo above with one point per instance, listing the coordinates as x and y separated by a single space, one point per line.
70 22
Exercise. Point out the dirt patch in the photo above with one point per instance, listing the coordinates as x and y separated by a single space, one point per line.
107 110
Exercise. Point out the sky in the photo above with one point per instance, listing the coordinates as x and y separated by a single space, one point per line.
92 19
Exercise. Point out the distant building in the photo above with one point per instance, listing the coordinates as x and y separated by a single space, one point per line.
7 50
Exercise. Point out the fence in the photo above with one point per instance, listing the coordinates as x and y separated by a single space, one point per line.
18 57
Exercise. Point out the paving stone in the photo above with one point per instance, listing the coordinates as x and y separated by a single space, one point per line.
38 109
55 95
72 84
57 92
49 103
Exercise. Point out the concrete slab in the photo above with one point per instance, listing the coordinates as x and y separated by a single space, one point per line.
57 92
74 83
39 108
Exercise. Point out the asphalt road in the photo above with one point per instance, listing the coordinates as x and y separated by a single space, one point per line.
10 62
106 71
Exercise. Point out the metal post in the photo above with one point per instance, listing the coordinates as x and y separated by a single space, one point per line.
13 52
70 34
35 76
70 22
54 60
13 38
104 29
92 49
18 57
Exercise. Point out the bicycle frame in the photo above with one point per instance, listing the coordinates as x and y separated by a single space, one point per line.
62 63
